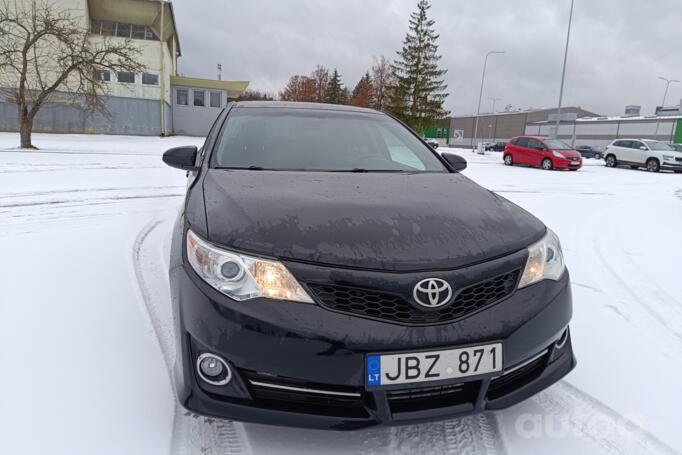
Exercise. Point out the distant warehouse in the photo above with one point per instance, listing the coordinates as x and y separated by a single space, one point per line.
578 126
155 102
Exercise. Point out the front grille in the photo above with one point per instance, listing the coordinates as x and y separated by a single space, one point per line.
392 307
284 394
510 382
410 400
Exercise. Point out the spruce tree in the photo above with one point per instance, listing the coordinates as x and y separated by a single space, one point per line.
335 92
419 92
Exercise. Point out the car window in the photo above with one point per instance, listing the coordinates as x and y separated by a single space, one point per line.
320 140
657 145
625 144
535 144
521 142
636 144
556 144
399 152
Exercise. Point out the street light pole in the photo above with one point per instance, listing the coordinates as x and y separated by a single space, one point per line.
665 95
480 94
563 72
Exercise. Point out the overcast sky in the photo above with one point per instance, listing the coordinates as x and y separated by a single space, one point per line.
618 47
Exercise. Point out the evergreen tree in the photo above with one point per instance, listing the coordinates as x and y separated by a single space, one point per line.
363 92
335 92
419 93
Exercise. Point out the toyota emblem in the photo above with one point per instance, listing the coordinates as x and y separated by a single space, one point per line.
432 293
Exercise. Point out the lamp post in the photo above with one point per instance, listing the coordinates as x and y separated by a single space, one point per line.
665 95
480 94
563 72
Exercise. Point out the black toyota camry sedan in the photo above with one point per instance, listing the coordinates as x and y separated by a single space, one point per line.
331 270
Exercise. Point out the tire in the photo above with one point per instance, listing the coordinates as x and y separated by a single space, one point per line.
547 164
652 165
597 156
678 172
508 160
611 161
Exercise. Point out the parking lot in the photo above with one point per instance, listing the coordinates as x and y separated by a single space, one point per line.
85 225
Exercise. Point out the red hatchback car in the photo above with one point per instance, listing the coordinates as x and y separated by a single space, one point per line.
542 152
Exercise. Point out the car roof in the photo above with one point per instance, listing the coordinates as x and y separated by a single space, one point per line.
302 105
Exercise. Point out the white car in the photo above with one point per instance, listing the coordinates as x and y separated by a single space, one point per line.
636 153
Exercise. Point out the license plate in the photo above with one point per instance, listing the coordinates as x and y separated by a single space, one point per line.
383 370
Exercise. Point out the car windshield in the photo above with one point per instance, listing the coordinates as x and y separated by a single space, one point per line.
656 145
556 144
320 140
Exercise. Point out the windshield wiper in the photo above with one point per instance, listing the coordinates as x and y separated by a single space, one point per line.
363 170
248 168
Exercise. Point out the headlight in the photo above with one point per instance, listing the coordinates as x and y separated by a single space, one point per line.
558 154
668 157
242 277
545 260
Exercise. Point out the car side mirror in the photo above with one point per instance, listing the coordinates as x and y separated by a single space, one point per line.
182 157
455 162
642 147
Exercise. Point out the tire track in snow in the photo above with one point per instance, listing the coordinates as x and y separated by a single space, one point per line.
191 433
610 432
672 321
474 435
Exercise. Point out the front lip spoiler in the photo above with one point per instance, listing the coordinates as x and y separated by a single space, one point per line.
304 389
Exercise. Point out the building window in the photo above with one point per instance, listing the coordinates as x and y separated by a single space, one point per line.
104 75
108 28
215 99
127 77
150 79
149 34
199 98
181 96
138 31
123 30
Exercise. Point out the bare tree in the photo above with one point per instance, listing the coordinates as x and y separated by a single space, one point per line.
321 77
382 82
46 52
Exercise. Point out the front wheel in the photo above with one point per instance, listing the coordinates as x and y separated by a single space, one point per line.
611 161
652 165
508 160
547 164
597 156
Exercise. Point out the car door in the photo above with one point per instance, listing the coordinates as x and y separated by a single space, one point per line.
520 145
621 149
636 154
536 152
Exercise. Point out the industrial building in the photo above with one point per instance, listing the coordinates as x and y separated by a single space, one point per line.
585 127
502 125
155 102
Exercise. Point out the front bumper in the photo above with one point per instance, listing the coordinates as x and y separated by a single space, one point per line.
284 354
671 166
561 163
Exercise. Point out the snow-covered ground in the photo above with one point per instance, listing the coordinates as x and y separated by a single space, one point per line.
85 342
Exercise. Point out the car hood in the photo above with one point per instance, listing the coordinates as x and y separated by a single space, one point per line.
570 153
384 221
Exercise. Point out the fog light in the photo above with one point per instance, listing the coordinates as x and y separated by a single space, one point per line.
213 369
561 342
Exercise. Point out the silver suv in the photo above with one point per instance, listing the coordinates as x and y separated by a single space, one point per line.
648 153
